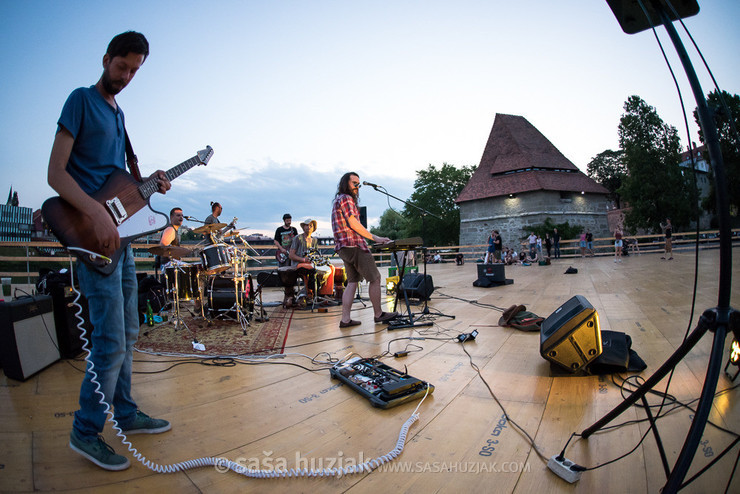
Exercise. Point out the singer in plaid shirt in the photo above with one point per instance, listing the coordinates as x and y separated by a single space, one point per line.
350 244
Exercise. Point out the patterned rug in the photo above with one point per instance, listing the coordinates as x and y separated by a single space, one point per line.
221 337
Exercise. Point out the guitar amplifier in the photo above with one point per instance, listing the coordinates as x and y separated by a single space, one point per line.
28 338
65 320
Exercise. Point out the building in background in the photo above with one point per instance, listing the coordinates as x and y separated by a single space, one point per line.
16 223
523 179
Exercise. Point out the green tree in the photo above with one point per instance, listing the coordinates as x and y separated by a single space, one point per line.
435 190
727 120
609 169
565 230
188 235
392 225
655 187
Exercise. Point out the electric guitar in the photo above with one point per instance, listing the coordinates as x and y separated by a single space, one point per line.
281 257
127 202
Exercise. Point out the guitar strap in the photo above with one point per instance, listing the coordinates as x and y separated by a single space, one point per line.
131 159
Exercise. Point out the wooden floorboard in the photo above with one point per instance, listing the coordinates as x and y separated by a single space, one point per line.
275 414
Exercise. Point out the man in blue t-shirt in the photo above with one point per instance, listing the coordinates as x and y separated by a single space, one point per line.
88 147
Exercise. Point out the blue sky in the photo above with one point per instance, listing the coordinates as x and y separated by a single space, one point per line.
291 94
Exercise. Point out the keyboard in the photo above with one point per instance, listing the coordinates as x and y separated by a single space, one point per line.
410 243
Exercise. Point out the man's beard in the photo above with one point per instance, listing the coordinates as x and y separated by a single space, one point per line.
108 84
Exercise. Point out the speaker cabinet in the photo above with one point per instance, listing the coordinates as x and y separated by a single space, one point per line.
570 336
269 279
65 320
492 275
28 337
363 216
417 286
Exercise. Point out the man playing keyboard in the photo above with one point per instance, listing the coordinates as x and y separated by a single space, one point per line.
350 244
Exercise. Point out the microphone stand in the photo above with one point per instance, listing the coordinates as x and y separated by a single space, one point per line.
425 311
719 320
190 218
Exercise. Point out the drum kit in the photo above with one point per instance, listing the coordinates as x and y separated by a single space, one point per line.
219 281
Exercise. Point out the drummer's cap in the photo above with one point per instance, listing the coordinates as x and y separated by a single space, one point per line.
286 216
310 222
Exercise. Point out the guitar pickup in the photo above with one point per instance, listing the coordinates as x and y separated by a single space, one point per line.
115 206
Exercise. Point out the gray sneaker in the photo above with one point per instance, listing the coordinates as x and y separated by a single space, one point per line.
144 424
98 452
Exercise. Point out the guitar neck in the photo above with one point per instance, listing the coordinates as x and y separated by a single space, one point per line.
151 186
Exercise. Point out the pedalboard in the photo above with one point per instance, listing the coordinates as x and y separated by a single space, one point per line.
384 386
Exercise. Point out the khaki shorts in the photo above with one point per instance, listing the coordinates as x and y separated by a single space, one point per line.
358 265
668 244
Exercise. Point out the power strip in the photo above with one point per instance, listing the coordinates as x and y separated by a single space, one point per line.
565 469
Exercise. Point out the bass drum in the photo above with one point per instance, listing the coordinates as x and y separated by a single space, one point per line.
182 279
220 293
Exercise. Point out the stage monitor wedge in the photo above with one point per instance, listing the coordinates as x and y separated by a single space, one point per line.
417 285
570 337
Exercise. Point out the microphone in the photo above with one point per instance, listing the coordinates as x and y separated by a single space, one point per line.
370 185
189 218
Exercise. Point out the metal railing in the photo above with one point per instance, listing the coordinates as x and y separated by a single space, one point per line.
22 261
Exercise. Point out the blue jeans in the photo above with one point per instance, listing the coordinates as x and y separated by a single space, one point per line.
557 249
113 303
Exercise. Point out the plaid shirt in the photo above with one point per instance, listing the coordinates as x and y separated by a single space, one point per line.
344 236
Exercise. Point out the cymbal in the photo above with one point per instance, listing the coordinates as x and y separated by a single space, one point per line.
232 233
173 251
210 228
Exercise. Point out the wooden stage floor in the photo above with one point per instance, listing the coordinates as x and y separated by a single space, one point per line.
285 415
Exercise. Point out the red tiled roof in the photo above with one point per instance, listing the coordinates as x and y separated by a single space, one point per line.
518 158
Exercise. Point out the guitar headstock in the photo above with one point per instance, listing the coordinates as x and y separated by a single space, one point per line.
204 155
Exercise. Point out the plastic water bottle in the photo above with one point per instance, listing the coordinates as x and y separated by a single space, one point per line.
149 314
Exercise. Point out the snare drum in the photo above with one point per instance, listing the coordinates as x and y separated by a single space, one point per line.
183 280
216 258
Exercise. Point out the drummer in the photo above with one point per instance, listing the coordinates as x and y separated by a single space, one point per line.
215 236
216 211
170 236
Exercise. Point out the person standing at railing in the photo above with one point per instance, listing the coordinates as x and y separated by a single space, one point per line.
668 232
618 244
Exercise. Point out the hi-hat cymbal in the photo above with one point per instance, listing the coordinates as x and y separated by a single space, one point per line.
232 233
173 251
210 228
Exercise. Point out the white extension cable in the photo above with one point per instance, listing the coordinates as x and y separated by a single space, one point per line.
223 463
